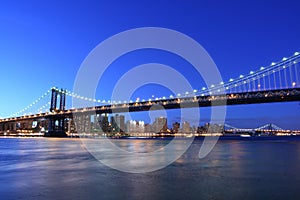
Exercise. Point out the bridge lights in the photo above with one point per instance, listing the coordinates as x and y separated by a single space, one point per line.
284 59
241 76
294 84
203 88
273 63
230 80
262 68
296 53
251 72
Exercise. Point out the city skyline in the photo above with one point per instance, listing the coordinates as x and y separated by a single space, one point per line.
118 123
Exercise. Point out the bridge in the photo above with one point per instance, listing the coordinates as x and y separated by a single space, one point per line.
267 129
278 82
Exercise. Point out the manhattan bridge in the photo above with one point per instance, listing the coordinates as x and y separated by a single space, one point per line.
278 82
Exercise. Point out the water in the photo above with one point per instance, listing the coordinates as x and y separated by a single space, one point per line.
53 168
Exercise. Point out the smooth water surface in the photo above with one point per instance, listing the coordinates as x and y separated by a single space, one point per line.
61 168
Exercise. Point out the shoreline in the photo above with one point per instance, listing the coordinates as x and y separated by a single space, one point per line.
223 137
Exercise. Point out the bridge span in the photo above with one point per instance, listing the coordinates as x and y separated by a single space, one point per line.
279 82
59 121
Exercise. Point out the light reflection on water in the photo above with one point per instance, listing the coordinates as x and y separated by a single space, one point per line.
52 168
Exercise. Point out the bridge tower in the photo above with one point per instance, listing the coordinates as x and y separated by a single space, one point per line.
57 122
62 100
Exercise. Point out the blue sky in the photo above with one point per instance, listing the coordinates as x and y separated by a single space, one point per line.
43 44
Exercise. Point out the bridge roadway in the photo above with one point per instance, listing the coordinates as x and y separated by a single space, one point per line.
269 96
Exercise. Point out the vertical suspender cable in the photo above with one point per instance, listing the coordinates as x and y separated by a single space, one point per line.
269 77
291 74
279 72
285 78
274 80
296 72
264 81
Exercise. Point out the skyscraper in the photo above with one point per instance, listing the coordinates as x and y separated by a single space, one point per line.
186 128
160 125
117 123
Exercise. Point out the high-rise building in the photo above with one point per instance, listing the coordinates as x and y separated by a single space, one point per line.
117 123
160 125
103 121
141 126
186 127
130 126
147 128
176 127
135 126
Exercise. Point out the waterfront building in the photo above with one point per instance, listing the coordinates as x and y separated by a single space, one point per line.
176 127
117 123
133 126
160 125
186 128
103 121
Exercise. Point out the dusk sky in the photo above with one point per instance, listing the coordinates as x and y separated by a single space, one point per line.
43 43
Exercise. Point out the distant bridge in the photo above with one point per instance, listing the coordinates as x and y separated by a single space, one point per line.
269 129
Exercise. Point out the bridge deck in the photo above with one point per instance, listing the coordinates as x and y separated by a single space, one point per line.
269 96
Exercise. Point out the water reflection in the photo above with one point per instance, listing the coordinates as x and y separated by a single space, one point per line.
45 168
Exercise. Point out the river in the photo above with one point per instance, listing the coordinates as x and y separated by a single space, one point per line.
62 168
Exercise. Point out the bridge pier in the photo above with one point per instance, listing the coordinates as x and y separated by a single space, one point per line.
57 124
56 128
